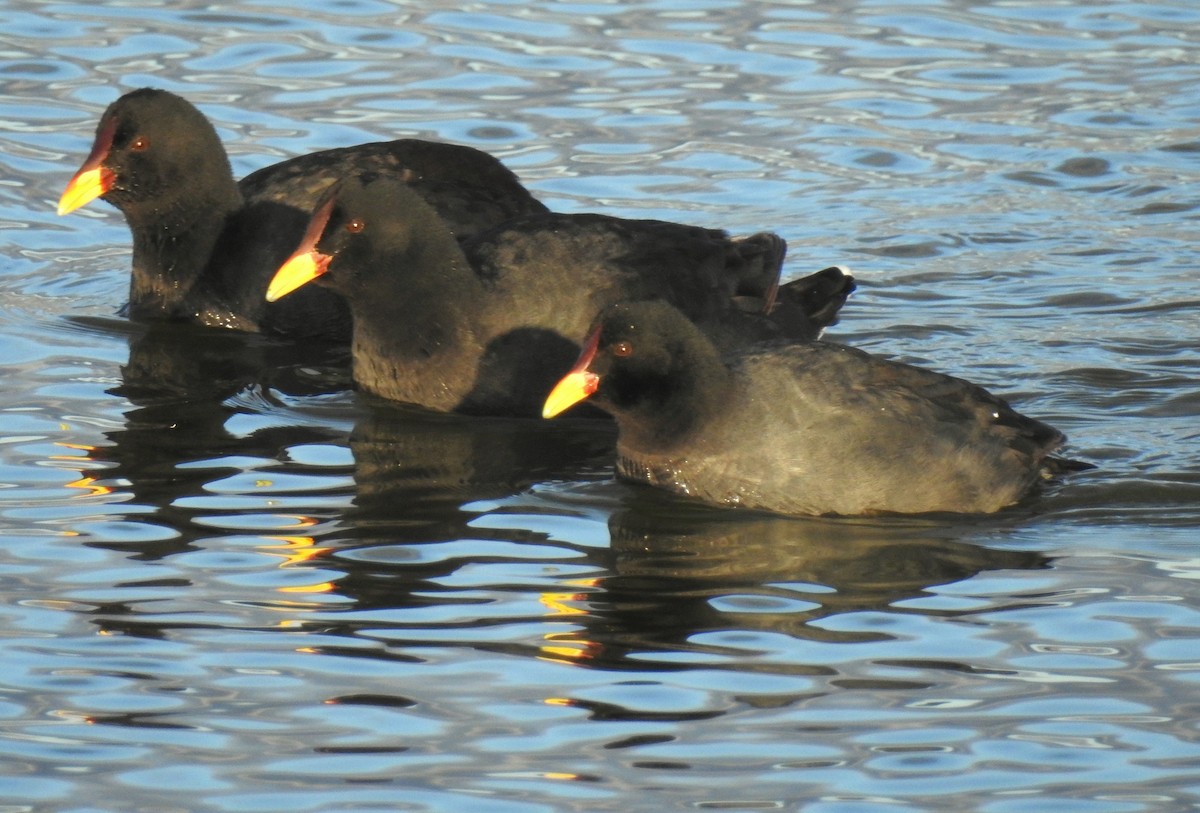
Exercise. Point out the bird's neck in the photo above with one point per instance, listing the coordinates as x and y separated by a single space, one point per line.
172 249
417 342
666 417
426 363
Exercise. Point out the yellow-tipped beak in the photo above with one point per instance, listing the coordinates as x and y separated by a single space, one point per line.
307 263
577 384
86 186
573 388
93 178
300 269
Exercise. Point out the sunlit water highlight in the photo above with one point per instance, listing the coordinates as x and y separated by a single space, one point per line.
231 584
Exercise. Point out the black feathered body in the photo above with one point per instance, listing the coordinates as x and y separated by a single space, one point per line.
205 246
488 326
801 428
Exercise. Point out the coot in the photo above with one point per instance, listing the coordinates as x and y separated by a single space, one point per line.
791 428
488 326
205 246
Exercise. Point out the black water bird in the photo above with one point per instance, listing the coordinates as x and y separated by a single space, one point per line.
205 246
487 326
800 428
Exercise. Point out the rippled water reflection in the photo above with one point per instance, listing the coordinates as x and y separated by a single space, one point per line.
230 584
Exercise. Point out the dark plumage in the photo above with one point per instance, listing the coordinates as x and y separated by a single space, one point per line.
205 246
813 428
486 327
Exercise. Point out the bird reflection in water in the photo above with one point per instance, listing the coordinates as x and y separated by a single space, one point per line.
398 531
183 385
676 572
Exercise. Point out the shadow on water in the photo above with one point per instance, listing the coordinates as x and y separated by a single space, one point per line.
418 463
673 573
422 480
209 407
676 574
182 384
671 577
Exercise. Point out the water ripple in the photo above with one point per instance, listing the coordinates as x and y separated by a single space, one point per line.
227 574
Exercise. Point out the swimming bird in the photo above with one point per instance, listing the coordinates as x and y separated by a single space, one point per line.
800 428
205 246
488 325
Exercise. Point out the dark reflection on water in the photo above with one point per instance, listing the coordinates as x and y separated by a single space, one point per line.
181 384
672 571
431 464
228 583
839 566
418 478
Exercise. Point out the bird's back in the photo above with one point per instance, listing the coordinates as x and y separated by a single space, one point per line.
820 428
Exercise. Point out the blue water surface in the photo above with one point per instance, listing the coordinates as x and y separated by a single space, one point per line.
228 583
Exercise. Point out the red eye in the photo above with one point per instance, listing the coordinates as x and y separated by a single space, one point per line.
622 349
355 225
140 144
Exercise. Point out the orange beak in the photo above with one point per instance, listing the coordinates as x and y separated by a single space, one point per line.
577 384
93 178
306 263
